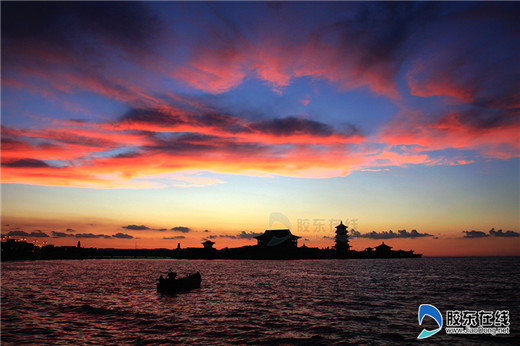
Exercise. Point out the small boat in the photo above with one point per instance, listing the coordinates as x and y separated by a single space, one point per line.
172 285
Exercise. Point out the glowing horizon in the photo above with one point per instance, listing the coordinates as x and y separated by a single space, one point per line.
210 117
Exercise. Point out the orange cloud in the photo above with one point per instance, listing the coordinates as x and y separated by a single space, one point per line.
137 171
166 141
150 147
164 144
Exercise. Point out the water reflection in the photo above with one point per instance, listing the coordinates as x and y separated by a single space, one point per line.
321 301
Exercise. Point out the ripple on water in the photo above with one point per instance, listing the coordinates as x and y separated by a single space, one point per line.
249 302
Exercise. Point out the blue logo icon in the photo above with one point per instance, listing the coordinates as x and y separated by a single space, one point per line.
429 310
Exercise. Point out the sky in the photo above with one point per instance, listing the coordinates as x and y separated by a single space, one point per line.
147 125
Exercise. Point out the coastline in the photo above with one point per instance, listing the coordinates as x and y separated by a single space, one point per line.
25 251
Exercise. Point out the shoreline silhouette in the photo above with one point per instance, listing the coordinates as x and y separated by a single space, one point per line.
272 244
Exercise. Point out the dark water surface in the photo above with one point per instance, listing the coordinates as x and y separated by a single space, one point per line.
251 302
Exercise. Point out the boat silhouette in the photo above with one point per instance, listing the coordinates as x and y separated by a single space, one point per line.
171 284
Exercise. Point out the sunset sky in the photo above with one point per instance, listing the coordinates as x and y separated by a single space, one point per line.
151 124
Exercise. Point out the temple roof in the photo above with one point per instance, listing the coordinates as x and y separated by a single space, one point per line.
383 246
277 233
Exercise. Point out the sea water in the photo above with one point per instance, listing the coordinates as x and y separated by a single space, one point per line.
314 302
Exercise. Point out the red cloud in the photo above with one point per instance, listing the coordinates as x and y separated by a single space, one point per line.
160 142
136 171
165 141
157 138
439 85
64 143
495 136
218 69
306 100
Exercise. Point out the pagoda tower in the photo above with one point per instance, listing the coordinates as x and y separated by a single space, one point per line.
342 244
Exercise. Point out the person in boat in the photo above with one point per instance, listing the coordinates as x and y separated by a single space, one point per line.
171 274
161 279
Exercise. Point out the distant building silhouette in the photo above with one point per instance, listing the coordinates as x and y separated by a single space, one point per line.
16 249
208 245
278 238
383 249
342 244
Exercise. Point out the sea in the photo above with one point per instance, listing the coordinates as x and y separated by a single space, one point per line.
241 302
